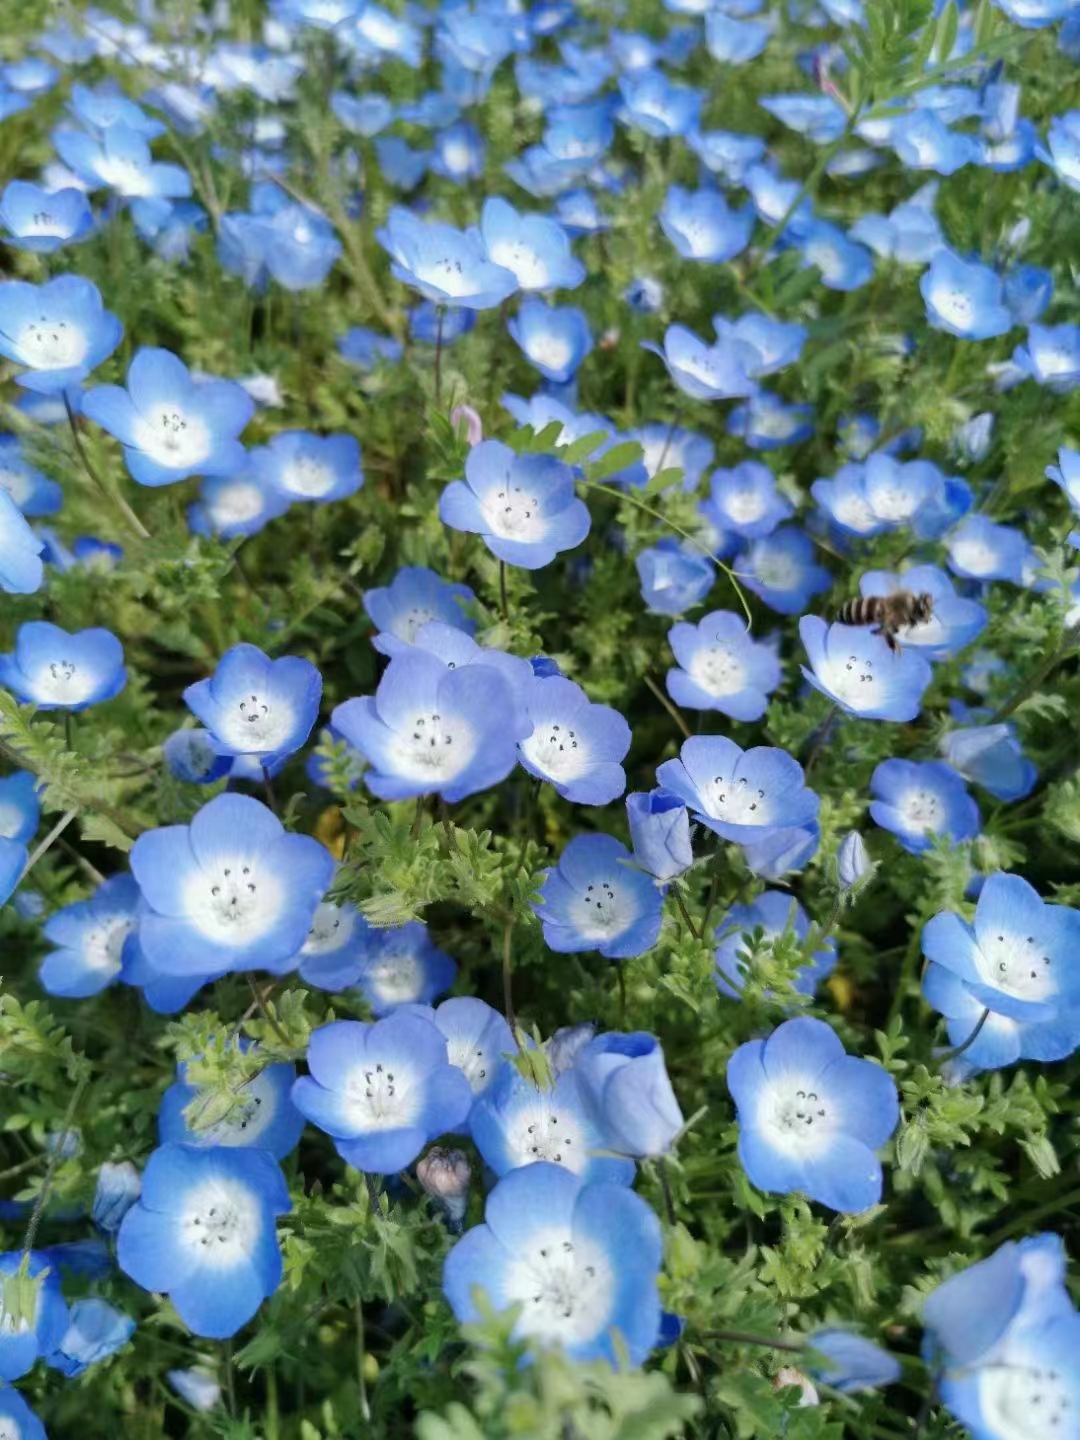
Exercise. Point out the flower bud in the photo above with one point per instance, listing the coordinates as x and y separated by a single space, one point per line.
660 833
852 860
117 1190
445 1176
624 1085
788 1375
474 426
197 1387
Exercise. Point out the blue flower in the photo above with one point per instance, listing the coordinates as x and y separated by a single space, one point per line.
909 234
811 1117
853 861
990 756
980 549
739 794
765 422
459 153
232 890
91 938
57 671
534 248
579 214
819 117
954 621
234 505
477 1041
964 298
262 1115
196 1387
1015 960
734 42
1028 291
702 226
433 730
524 506
659 833
253 705
45 1317
95 1331
773 913
722 667
674 576
581 1261
844 264
42 220
367 349
193 756
59 331
17 1416
514 1123
301 466
34 493
362 114
298 246
1066 473
575 745
666 447
1051 356
553 339
656 106
858 671
402 966
203 1233
1062 151
382 1091
21 566
170 425
919 801
721 371
725 153
415 596
849 1363
781 570
337 945
1003 1335
744 501
447 266
922 142
401 166
119 159
625 1088
456 649
117 1189
596 899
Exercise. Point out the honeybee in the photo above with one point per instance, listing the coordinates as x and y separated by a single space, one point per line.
888 613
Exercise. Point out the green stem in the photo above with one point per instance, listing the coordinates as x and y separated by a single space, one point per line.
55 1157
117 499
504 603
54 834
672 710
959 1049
747 1337
1069 642
681 904
361 1382
507 975
809 185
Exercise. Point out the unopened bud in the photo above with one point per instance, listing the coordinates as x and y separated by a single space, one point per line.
445 1176
474 426
788 1375
117 1190
567 1043
853 862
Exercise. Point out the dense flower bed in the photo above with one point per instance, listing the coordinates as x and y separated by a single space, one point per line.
540 808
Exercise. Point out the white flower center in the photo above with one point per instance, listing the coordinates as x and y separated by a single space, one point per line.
556 750
11 819
718 671
380 1098
434 747
1017 965
123 176
221 1223
565 1286
444 273
973 555
1025 1402
43 222
531 271
476 1064
851 678
405 626
49 343
513 514
234 903
1055 360
603 910
955 306
304 476
62 682
16 482
775 570
252 724
249 1117
331 929
172 436
395 976
796 1116
923 811
736 801
540 1132
237 503
8 1325
552 351
744 506
101 947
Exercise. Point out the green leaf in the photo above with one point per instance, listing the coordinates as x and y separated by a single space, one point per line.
619 457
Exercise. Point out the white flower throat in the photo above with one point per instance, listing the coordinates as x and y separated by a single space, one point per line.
221 1223
49 343
737 801
513 513
254 724
1026 1402
1016 964
555 749
565 1286
718 671
173 436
